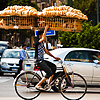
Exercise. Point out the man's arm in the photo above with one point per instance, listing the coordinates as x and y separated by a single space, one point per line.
44 34
46 51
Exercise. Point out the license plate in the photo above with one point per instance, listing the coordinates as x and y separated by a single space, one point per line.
14 68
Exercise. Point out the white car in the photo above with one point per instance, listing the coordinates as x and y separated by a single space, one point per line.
10 61
80 60
3 46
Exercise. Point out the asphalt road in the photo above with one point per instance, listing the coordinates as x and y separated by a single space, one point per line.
7 92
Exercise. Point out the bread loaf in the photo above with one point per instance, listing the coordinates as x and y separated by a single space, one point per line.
19 11
66 11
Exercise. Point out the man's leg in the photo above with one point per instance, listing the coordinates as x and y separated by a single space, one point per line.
39 84
53 68
48 72
50 79
19 69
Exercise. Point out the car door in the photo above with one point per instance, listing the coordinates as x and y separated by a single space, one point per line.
96 67
79 61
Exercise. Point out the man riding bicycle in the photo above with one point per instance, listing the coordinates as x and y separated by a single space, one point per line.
47 66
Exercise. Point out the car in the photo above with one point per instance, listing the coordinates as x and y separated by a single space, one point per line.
3 46
79 60
10 61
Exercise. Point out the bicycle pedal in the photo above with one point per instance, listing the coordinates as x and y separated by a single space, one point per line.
47 87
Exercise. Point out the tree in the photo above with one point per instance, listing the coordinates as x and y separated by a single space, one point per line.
3 4
89 37
19 2
23 3
88 7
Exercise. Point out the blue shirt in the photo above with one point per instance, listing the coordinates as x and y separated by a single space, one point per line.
22 54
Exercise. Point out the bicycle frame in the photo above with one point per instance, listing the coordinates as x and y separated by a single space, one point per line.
65 72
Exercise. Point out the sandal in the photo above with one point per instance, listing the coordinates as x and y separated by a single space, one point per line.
40 88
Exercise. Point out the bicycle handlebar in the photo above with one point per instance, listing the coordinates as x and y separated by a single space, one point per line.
60 61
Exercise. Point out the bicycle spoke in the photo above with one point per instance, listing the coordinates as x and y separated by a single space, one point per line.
26 78
25 85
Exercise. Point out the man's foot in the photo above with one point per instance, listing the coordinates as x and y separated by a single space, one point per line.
40 88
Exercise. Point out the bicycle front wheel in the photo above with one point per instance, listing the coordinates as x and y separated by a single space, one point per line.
25 85
73 88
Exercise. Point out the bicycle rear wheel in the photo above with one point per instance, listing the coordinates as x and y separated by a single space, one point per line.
73 88
25 85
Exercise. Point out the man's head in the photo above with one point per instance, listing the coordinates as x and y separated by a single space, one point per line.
24 46
39 34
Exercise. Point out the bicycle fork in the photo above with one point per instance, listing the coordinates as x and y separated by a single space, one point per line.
69 81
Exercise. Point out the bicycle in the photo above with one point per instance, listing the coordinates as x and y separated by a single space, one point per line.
71 85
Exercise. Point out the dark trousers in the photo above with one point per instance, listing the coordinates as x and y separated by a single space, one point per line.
19 69
48 67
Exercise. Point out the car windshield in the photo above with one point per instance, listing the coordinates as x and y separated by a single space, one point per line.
10 54
31 54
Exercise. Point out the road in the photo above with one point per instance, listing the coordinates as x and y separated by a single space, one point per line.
7 92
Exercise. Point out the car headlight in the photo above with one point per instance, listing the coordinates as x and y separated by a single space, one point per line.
4 63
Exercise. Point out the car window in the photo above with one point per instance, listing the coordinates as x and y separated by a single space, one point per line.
10 54
31 54
95 55
80 56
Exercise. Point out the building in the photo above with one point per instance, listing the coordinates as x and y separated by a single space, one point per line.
43 3
46 3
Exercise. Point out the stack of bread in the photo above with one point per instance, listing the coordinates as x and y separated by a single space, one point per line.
19 11
66 11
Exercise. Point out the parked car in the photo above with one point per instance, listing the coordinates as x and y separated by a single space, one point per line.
9 61
3 46
80 60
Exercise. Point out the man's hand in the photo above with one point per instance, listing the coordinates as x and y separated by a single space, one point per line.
57 58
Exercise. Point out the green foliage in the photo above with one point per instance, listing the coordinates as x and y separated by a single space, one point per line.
3 4
88 7
89 37
22 3
19 2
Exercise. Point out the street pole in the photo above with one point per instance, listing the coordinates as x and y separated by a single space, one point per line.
97 11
